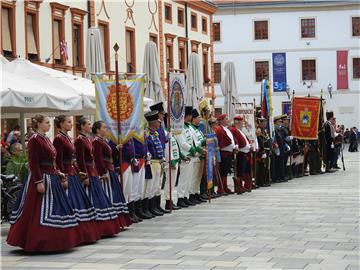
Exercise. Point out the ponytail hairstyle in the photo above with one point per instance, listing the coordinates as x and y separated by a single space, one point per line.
97 125
36 120
82 121
59 120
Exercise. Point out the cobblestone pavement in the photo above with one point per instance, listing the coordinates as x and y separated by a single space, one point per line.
307 223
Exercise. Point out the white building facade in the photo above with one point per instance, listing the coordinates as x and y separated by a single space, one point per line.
311 36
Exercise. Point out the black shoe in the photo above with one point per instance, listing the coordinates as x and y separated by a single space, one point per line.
174 206
153 209
337 167
199 198
145 207
193 199
204 196
181 203
189 203
158 205
139 212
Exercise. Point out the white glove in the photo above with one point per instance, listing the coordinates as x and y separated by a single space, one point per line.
169 135
332 146
264 155
135 162
236 147
148 156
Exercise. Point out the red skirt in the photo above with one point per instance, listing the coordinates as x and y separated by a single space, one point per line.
108 227
29 234
88 232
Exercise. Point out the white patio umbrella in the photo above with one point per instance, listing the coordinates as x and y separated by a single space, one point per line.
54 83
84 87
22 94
194 83
153 89
95 63
229 89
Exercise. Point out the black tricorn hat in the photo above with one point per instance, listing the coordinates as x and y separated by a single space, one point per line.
158 107
188 110
195 113
152 116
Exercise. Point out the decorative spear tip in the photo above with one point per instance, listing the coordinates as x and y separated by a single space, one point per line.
116 47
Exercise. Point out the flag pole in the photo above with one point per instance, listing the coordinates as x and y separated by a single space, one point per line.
116 48
169 143
255 138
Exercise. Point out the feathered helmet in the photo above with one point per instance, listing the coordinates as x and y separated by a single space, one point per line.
203 106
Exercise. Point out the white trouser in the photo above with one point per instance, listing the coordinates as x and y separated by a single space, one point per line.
152 186
174 172
127 183
198 168
138 185
186 174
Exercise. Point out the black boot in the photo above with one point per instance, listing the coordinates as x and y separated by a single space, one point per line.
174 206
189 203
181 203
139 212
152 207
133 217
145 207
193 199
158 205
134 210
200 198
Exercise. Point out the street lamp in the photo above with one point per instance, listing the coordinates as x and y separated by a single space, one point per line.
330 87
288 91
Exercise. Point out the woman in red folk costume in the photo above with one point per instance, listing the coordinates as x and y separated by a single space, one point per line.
84 211
43 219
105 168
106 217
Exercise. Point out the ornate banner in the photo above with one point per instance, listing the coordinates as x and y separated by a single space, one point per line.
177 101
279 72
286 107
305 118
247 111
210 159
131 107
342 70
266 106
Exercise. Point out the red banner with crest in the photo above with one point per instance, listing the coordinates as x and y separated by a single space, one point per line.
305 118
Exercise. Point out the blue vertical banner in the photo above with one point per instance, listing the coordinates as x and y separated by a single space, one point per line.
210 159
279 72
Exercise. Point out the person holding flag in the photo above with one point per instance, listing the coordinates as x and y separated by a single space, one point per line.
199 159
186 145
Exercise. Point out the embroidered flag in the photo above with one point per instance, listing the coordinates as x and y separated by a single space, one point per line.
131 105
305 118
177 101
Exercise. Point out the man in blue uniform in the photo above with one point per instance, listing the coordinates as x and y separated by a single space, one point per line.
152 186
